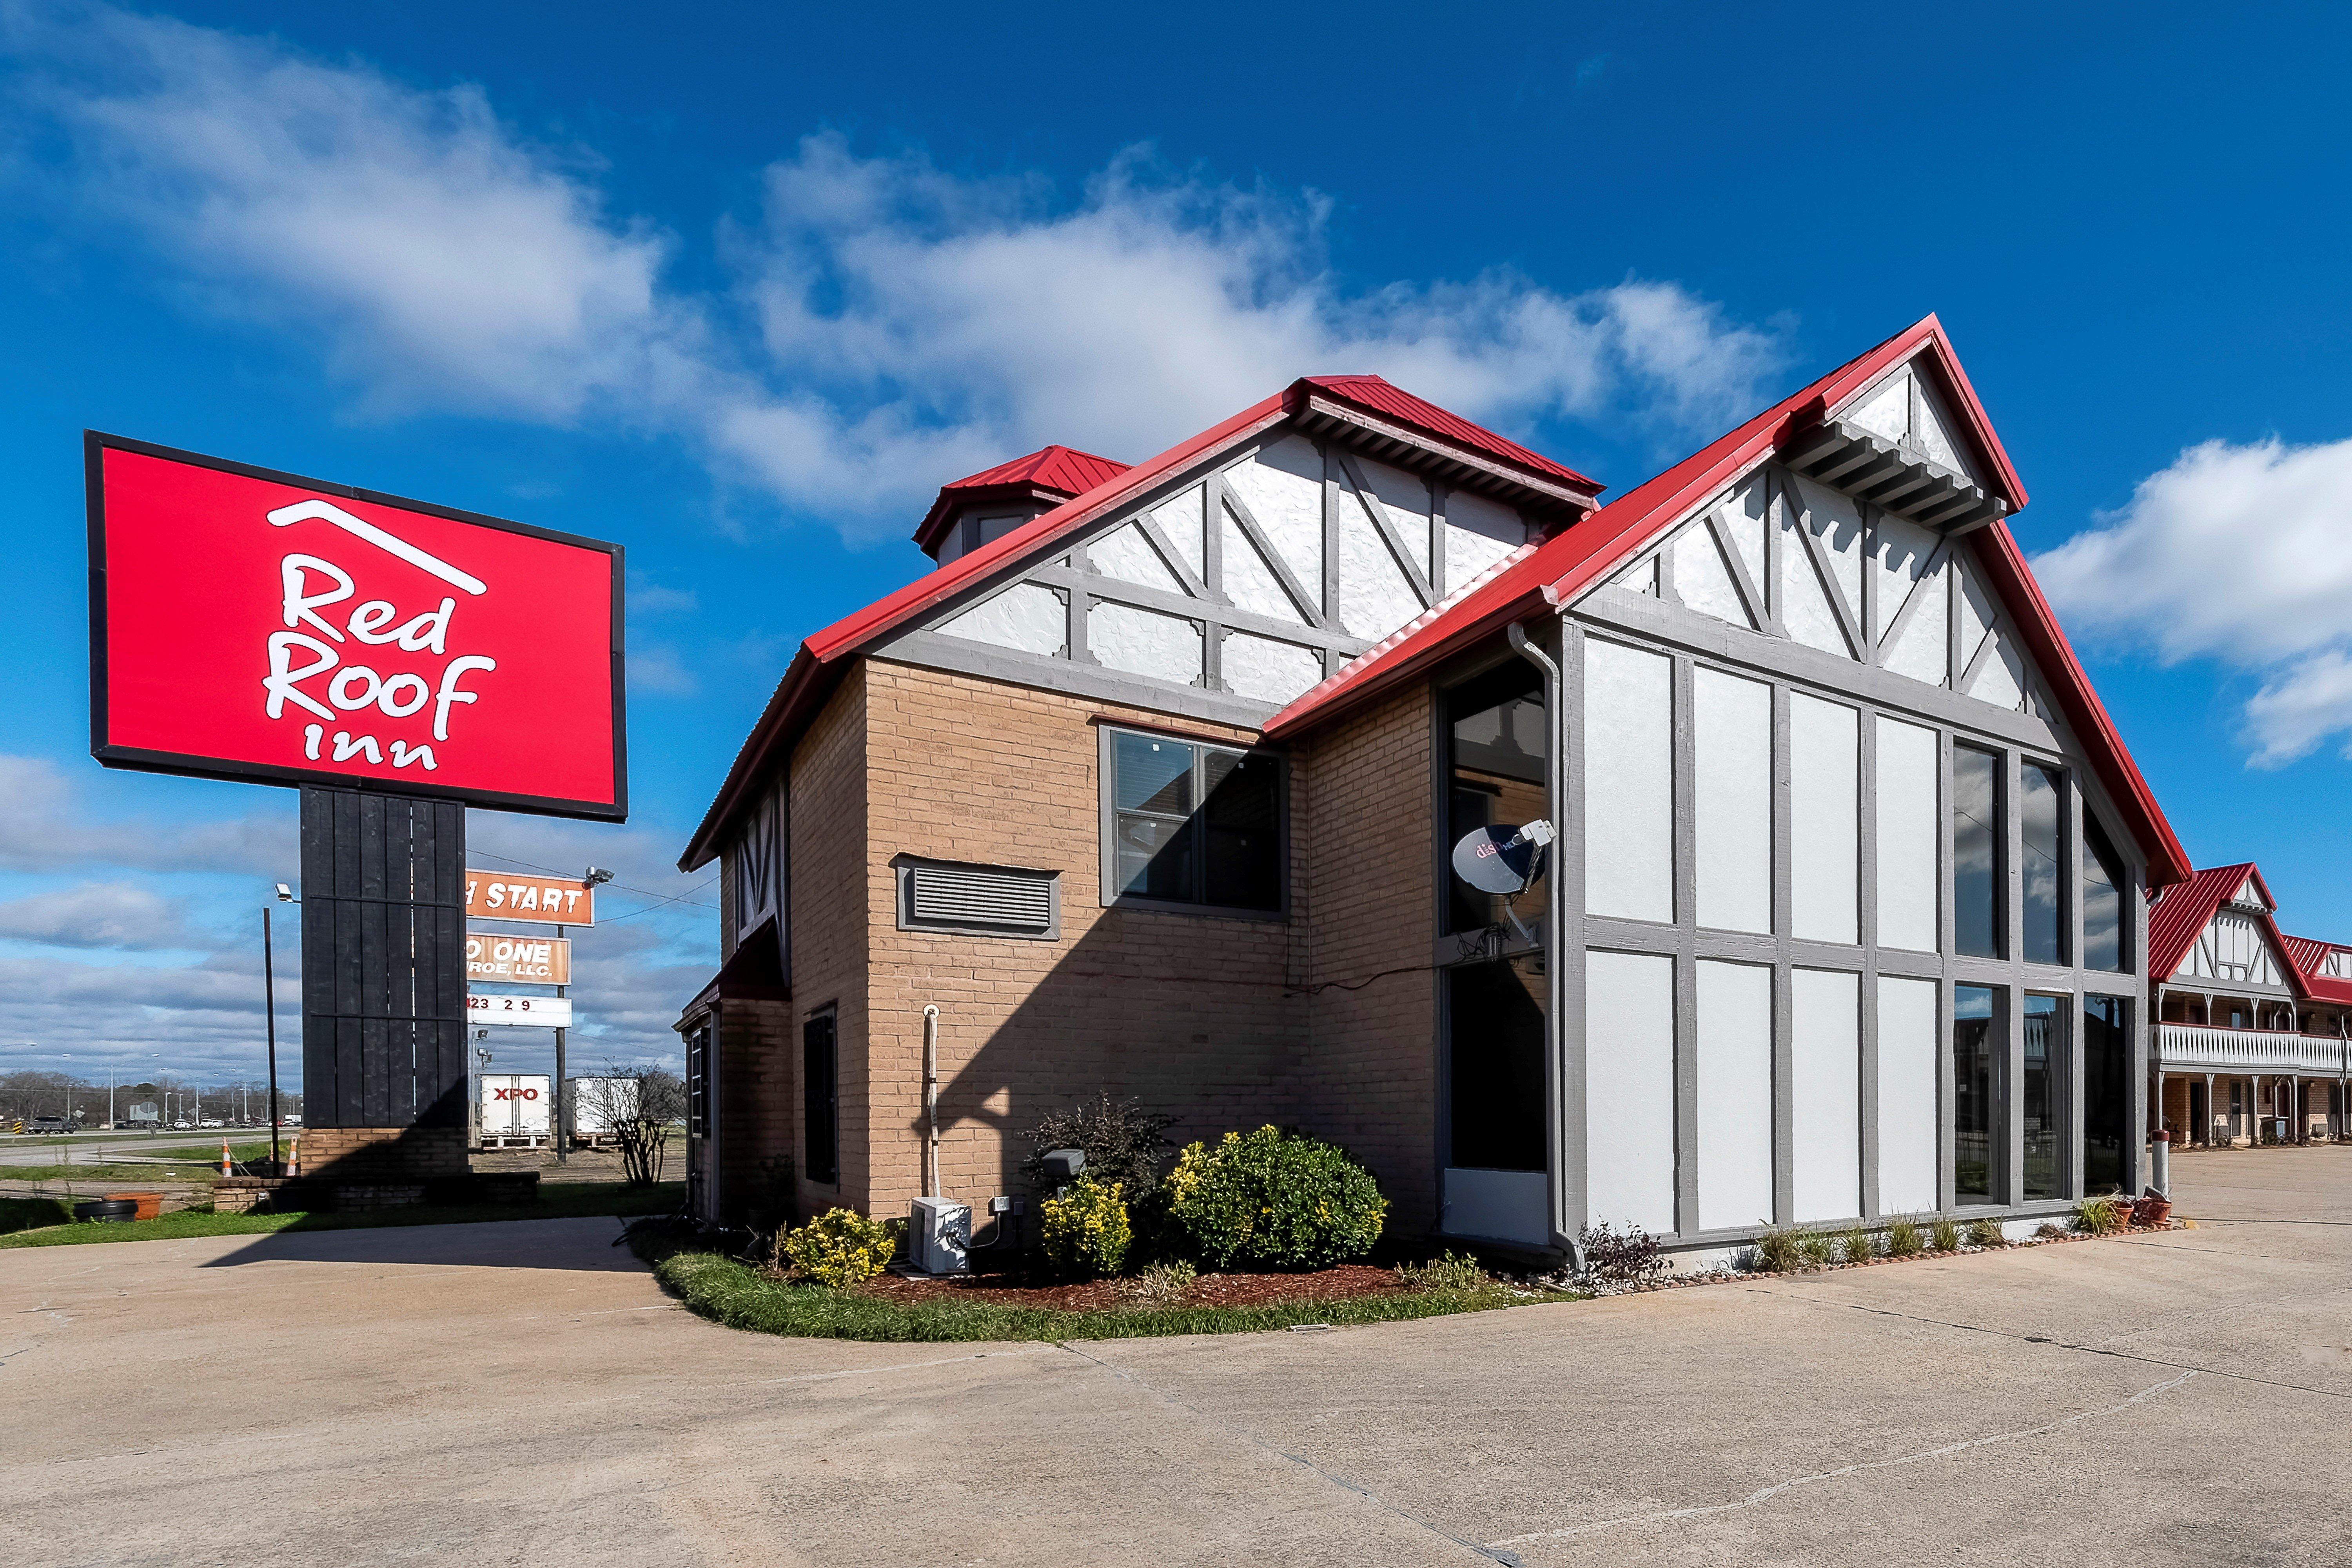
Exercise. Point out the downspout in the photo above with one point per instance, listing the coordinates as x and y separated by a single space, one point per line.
1555 921
931 1101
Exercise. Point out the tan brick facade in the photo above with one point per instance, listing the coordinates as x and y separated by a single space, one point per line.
1325 1019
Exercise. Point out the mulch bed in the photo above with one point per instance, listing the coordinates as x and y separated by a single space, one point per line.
1347 1281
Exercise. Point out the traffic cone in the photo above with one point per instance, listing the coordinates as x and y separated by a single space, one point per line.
225 1169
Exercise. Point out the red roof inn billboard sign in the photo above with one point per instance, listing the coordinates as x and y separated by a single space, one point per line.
260 625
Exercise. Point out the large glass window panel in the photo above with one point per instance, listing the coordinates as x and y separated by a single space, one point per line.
1194 825
2106 1094
2102 898
1494 729
1977 1095
2044 1100
1241 812
2040 797
1495 1050
1977 852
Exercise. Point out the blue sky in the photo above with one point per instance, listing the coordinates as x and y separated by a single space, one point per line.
741 289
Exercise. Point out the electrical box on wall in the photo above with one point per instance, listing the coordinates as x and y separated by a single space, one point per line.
939 1237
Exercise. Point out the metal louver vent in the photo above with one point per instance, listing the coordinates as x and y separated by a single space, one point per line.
977 898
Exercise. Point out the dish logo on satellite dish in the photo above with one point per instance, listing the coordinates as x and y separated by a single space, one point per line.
310 584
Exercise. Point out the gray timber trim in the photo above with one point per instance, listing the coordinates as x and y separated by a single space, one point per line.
1784 1012
1844 680
1247 522
1331 504
1750 598
1775 509
1378 516
1162 545
1684 741
1866 927
1931 578
934 650
1826 571
1118 592
1437 494
1570 942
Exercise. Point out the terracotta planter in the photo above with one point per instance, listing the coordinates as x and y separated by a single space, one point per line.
2152 1211
150 1205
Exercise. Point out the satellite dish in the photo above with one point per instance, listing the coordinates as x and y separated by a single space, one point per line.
1500 860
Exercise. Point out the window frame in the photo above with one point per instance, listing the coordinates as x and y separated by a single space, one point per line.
829 1017
1107 825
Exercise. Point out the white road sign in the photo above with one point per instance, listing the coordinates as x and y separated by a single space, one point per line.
540 1012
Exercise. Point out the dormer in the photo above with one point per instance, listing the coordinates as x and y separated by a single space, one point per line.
984 507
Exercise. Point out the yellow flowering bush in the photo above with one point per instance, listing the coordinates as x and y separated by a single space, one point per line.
1085 1231
840 1248
1274 1200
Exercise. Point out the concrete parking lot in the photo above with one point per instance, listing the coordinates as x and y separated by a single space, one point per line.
523 1394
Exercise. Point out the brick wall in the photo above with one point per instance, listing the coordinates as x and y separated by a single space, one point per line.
362 1153
828 855
1189 1012
1362 825
756 1105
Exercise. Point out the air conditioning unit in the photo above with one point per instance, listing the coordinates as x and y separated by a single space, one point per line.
939 1237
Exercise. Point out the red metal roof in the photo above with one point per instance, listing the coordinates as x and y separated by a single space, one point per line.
2308 954
2178 918
1048 474
1587 552
1381 396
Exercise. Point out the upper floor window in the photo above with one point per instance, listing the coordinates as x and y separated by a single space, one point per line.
1190 824
1978 881
1494 739
2042 842
2103 880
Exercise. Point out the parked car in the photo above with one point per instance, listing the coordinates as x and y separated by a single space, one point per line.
213 1121
183 1122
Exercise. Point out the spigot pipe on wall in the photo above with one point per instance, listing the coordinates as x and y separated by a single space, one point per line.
931 1101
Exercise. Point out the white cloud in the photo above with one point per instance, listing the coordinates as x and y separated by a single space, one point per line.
2237 553
95 914
45 827
913 324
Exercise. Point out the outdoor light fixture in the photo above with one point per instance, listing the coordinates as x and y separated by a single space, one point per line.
286 895
1062 1165
596 876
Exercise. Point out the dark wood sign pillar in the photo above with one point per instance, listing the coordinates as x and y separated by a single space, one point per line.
383 985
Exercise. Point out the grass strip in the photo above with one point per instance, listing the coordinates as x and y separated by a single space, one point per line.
732 1293
568 1200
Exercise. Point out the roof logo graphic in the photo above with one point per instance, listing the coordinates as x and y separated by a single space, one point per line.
327 511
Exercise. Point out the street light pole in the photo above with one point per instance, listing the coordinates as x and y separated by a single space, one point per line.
270 1007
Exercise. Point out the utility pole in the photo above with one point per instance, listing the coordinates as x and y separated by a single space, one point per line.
562 1132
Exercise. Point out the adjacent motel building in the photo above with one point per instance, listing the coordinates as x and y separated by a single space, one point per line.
1150 786
2251 1024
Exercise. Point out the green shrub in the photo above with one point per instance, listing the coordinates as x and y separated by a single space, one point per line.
840 1248
2099 1216
1274 1200
1903 1238
1451 1272
1987 1233
1084 1232
1778 1252
1944 1235
1856 1244
1818 1249
1124 1143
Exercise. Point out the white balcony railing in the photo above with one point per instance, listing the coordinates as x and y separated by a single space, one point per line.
2193 1047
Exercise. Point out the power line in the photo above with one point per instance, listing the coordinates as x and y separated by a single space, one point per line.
641 892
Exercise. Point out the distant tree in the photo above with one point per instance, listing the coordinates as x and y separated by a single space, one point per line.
641 1106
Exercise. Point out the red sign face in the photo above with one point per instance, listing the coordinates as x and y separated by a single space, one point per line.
260 625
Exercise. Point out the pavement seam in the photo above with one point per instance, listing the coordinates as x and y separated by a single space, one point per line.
1765 1494
2056 1344
1492 1553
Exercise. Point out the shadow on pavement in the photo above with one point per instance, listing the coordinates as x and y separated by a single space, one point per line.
581 1245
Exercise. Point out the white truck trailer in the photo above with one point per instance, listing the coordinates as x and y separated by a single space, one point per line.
514 1110
593 1103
